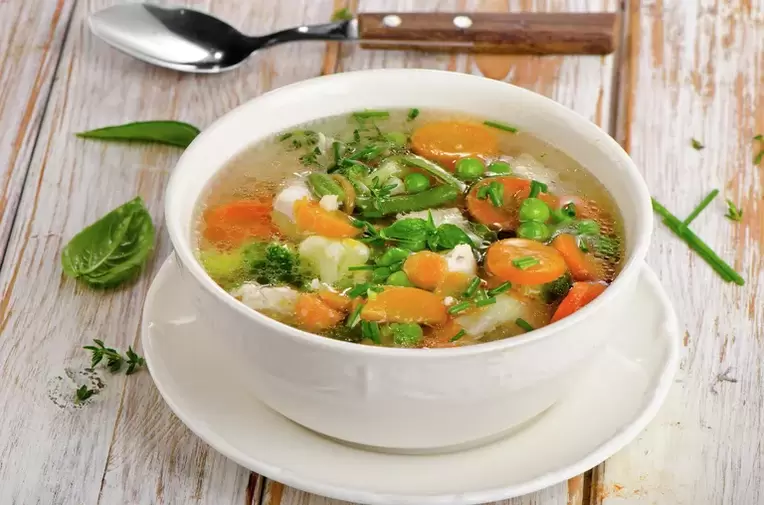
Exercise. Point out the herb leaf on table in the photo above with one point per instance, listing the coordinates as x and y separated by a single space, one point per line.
112 250
173 133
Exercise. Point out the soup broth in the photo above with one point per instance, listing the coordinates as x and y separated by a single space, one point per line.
409 229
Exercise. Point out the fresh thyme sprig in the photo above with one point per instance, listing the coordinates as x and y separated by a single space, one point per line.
114 360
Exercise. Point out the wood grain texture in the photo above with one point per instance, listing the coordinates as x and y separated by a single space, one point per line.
495 32
31 36
125 447
697 70
582 83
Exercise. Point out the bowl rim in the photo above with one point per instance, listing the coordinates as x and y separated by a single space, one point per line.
630 270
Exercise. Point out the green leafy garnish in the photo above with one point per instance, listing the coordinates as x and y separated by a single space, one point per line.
734 212
173 133
112 250
275 263
760 155
343 14
536 188
501 126
702 205
83 393
696 144
413 113
114 360
695 243
449 236
522 323
409 233
525 262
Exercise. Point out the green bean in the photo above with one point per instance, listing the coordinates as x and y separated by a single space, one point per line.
322 185
435 170
409 203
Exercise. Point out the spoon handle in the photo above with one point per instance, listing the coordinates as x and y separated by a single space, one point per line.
508 33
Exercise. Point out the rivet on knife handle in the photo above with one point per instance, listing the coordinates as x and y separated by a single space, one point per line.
508 33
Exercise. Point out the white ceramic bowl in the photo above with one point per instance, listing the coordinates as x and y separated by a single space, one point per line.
408 399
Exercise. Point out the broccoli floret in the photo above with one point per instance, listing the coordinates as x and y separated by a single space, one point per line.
274 263
557 289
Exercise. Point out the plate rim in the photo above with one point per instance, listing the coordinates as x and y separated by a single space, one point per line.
614 442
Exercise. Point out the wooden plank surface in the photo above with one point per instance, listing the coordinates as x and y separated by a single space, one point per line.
126 447
31 36
697 70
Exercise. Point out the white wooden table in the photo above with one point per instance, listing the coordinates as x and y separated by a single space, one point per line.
689 68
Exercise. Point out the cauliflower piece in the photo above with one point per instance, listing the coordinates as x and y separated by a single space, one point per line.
332 257
506 309
329 202
461 259
285 200
281 299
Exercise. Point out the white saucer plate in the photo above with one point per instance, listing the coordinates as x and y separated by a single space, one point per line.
618 397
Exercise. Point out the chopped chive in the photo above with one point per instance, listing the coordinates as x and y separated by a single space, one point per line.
697 144
536 188
482 193
702 205
458 335
501 126
459 307
496 194
696 244
486 301
582 245
474 284
358 290
354 316
366 114
336 149
525 262
357 268
285 136
356 136
413 113
522 323
501 288
373 332
734 212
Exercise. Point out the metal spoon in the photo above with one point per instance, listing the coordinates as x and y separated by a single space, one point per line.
192 41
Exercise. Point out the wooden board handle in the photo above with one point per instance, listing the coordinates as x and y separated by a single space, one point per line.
495 32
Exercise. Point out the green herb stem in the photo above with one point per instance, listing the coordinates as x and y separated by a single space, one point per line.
354 316
696 244
501 126
459 307
472 288
522 323
501 288
458 335
496 194
703 204
413 113
486 301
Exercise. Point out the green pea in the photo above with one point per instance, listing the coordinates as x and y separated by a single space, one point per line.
415 182
469 168
500 167
588 227
534 209
534 230
406 334
380 274
397 138
399 278
391 256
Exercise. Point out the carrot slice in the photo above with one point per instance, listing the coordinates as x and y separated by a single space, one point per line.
579 295
425 269
231 224
582 266
453 284
312 218
504 217
312 314
334 300
405 305
447 141
499 261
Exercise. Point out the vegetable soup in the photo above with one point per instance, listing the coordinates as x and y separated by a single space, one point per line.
409 229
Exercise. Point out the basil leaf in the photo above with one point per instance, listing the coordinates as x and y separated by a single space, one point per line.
407 229
450 236
112 250
173 133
